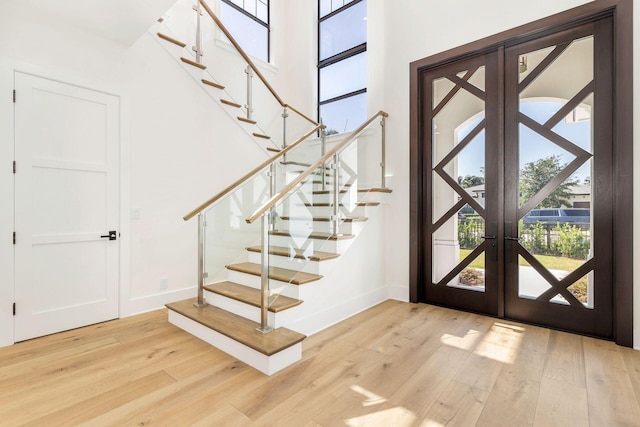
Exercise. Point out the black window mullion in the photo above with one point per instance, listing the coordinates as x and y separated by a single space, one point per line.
337 11
250 15
343 55
344 96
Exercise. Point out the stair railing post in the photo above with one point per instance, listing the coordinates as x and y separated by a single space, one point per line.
323 139
383 162
285 114
201 273
198 47
272 192
336 193
264 275
249 106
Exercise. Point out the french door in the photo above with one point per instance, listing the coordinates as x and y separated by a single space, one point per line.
518 171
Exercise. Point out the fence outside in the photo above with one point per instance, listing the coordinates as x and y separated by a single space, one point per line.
567 240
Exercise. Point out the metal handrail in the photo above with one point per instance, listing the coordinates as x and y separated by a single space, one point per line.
250 62
251 174
276 198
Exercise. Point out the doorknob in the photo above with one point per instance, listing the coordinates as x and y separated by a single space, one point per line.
489 237
515 239
110 236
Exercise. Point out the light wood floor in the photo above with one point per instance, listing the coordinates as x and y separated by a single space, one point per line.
397 364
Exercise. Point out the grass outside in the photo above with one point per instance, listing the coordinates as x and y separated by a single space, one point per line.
578 289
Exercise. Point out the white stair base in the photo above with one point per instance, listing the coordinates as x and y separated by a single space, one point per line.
268 365
280 319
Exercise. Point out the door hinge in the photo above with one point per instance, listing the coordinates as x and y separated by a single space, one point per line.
14 166
14 95
14 237
14 308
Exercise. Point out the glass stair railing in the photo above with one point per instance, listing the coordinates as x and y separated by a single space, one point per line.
270 232
267 234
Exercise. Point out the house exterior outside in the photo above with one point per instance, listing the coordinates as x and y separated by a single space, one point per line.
580 195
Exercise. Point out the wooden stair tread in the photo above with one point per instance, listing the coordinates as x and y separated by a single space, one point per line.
213 84
259 135
251 296
325 205
375 190
273 149
231 103
244 119
171 39
318 235
328 191
238 328
299 253
276 273
286 163
327 182
194 63
360 190
325 219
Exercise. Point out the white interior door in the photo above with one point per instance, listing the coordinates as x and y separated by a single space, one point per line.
66 198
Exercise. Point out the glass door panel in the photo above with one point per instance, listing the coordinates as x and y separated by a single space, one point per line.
557 273
463 232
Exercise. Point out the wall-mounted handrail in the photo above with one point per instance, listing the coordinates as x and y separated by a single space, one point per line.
251 174
250 62
338 148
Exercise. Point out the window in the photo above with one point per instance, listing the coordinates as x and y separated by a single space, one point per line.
248 22
342 64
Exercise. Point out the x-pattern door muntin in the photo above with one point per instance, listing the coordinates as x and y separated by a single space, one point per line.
585 86
504 250
545 130
465 198
458 92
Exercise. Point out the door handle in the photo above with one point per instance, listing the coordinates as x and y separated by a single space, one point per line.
509 248
110 236
491 231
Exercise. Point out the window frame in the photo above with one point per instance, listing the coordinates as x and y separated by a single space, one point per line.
353 51
255 18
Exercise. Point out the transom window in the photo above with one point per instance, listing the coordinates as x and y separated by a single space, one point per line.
248 21
342 64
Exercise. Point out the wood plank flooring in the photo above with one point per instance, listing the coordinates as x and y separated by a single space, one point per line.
396 364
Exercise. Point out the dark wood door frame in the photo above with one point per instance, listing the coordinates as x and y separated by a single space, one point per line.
621 13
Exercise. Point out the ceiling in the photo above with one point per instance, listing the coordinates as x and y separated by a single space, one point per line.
123 21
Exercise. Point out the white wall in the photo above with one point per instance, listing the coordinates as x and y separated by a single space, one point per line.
178 148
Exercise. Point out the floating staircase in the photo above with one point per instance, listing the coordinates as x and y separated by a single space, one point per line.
236 300
181 52
235 312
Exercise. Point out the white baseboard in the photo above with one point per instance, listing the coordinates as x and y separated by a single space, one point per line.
399 293
154 302
323 319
